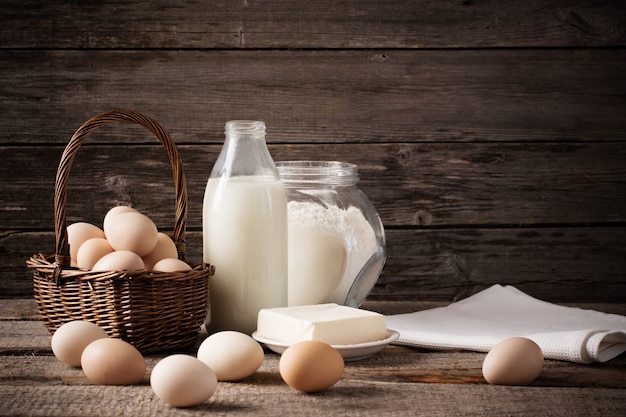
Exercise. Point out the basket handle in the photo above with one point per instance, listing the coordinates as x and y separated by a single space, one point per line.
62 254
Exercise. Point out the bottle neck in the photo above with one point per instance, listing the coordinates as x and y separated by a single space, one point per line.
245 151
312 173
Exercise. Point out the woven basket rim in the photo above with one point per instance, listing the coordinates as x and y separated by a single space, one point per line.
45 263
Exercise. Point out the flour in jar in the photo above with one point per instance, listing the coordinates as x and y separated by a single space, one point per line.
328 246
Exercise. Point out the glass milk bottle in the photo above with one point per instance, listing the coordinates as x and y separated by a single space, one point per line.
244 230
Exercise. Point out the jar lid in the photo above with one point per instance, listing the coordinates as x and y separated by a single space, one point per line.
318 172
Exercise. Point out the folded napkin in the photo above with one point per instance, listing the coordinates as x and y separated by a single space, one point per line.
481 321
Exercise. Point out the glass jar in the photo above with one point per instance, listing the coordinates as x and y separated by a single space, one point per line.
336 240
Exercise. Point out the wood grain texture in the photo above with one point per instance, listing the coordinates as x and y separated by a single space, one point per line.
442 185
323 24
489 135
267 395
555 264
323 96
556 233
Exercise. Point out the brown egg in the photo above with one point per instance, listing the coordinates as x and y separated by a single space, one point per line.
70 340
132 231
91 251
108 218
171 265
80 232
112 361
121 260
182 380
311 366
513 361
231 355
165 248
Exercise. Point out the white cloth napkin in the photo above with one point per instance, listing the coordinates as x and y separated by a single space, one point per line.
481 321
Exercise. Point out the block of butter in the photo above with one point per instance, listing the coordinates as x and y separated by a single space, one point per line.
330 323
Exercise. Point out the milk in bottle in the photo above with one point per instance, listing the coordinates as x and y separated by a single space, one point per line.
244 231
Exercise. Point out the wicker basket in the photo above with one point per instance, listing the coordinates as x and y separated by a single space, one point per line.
154 311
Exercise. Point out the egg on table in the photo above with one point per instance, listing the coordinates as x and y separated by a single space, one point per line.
231 355
513 361
182 380
71 338
113 361
311 366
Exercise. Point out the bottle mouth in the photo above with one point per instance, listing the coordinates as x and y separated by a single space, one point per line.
244 127
315 172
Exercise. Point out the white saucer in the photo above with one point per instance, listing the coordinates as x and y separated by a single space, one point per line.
349 352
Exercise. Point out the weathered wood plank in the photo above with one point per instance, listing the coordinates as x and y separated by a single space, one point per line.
323 96
19 309
460 181
31 339
327 24
445 184
555 264
266 394
397 380
490 137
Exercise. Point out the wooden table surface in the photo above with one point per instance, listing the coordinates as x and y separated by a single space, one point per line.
396 381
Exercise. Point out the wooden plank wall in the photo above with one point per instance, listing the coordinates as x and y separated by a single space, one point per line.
489 135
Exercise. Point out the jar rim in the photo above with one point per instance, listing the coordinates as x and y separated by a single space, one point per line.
244 127
326 172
